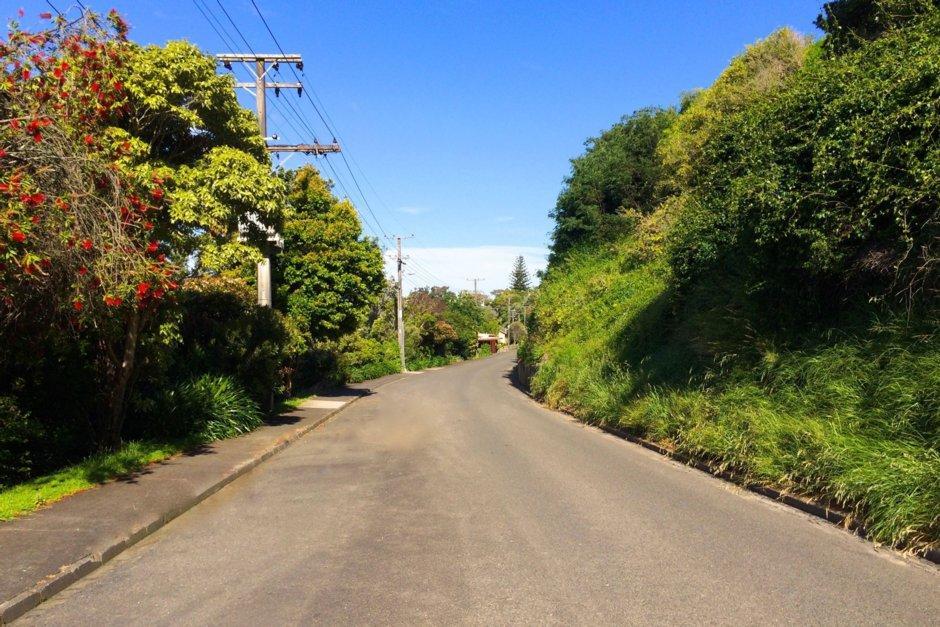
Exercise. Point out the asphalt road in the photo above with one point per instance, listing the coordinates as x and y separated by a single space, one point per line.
450 497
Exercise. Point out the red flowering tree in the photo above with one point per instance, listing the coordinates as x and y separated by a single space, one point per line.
82 212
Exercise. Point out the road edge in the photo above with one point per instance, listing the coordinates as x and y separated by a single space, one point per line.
15 607
839 518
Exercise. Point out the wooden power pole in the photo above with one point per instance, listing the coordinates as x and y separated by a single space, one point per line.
261 86
400 316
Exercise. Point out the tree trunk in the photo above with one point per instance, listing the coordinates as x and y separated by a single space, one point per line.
119 389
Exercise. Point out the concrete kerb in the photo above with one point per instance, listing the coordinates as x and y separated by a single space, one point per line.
522 373
15 607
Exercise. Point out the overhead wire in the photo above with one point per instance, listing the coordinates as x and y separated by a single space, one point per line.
377 228
223 34
323 119
330 126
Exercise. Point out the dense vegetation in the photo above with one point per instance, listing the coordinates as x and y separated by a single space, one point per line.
767 298
136 196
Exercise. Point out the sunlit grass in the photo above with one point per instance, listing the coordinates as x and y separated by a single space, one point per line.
851 415
31 495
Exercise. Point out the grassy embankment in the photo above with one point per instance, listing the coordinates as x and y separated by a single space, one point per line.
847 414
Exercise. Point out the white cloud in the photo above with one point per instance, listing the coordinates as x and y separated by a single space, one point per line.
412 210
453 266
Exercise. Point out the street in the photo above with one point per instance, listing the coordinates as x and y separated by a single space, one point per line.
451 497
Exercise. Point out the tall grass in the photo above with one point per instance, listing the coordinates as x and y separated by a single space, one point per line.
850 414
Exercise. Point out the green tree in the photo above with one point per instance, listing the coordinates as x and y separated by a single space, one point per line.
850 23
763 67
329 276
617 176
158 165
519 279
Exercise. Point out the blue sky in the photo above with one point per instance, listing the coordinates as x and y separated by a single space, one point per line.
463 115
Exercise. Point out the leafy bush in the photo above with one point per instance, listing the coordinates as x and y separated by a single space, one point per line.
826 189
223 332
210 408
20 436
363 358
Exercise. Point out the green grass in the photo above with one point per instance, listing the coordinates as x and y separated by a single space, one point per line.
26 497
850 414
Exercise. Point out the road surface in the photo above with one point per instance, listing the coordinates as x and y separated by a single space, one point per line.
450 497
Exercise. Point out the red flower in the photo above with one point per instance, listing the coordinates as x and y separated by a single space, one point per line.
113 301
78 305
25 74
18 236
152 247
45 16
148 226
142 289
34 219
3 153
157 193
86 244
89 140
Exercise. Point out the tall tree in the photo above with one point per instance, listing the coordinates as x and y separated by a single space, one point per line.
618 175
519 279
330 276
129 163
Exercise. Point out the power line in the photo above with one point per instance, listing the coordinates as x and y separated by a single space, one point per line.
210 18
235 26
321 116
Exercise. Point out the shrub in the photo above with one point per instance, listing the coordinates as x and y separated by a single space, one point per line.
825 190
20 437
223 332
211 408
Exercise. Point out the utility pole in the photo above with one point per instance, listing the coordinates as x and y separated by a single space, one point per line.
260 86
476 294
509 319
401 317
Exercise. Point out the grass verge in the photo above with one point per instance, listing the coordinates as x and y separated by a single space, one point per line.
28 496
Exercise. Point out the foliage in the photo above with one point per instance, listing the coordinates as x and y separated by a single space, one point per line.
848 24
848 414
223 332
617 177
519 279
329 276
213 408
775 313
121 165
443 324
828 187
19 434
761 68
363 358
